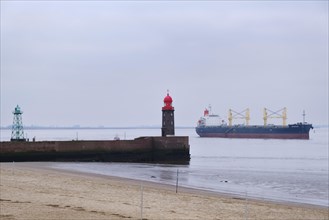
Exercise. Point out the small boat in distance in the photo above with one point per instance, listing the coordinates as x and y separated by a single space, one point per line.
211 125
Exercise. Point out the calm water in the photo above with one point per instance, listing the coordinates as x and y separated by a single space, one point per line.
280 170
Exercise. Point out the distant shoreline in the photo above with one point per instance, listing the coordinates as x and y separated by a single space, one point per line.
91 127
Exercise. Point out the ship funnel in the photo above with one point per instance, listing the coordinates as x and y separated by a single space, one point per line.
206 112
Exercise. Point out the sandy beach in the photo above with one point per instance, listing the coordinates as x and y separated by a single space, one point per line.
30 191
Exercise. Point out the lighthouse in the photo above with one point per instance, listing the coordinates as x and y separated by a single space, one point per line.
168 122
17 133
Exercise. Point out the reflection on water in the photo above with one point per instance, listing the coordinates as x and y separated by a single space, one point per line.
166 175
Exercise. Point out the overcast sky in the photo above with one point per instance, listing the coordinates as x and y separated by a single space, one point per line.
110 62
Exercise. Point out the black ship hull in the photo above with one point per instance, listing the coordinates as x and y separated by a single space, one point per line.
293 131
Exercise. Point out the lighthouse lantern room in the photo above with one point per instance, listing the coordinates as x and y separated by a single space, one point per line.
168 122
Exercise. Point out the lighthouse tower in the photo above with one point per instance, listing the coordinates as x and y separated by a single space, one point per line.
17 133
168 122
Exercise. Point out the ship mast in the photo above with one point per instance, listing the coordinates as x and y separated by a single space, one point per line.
304 116
210 111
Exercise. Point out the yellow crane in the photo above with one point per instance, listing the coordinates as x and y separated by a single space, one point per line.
275 114
238 115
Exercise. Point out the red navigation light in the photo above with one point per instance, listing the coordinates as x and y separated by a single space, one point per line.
167 103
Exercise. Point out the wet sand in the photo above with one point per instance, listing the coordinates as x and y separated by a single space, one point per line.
31 191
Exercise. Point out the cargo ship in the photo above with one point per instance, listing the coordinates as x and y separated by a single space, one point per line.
212 125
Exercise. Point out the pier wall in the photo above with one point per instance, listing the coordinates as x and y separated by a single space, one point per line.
173 149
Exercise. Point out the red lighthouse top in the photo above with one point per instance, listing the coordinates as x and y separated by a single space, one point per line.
167 103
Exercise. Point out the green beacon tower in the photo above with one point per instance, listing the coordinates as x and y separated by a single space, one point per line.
17 132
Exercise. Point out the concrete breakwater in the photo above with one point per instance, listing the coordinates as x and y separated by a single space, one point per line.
172 149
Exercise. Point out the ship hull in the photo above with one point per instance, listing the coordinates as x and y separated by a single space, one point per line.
295 131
